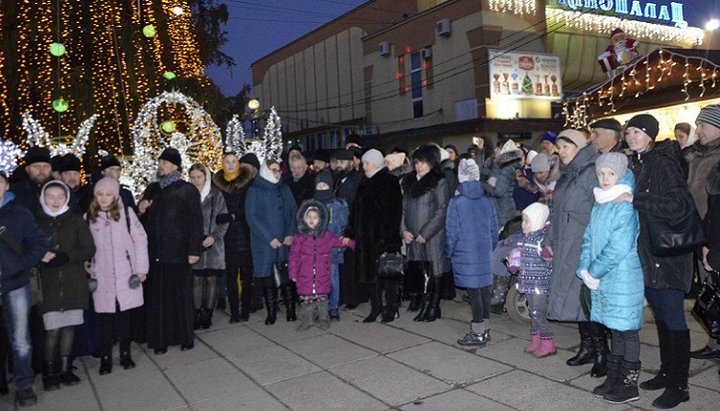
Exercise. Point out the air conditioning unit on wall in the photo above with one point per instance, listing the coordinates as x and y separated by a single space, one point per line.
442 28
426 53
384 48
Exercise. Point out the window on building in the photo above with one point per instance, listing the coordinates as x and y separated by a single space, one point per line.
416 84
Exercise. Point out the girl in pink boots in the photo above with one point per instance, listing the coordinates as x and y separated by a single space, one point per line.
530 262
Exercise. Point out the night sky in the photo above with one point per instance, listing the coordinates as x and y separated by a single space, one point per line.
258 27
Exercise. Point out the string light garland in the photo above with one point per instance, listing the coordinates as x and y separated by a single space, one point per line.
672 70
521 7
9 154
37 136
268 146
199 142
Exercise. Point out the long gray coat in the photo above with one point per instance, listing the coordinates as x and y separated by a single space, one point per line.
213 258
572 205
425 204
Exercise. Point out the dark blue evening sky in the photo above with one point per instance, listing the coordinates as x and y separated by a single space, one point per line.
258 27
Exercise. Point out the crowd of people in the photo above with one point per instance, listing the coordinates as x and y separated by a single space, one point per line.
572 222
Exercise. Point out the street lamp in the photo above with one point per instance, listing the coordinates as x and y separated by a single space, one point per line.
255 114
712 25
254 104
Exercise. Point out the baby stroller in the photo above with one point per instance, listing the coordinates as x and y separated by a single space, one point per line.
505 297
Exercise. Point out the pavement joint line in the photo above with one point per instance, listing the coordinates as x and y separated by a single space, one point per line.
91 382
248 376
164 374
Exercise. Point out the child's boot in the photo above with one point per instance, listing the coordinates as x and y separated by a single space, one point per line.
614 376
627 389
306 316
323 315
546 348
477 336
534 341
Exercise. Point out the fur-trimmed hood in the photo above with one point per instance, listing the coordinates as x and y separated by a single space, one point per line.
247 173
414 188
505 159
322 226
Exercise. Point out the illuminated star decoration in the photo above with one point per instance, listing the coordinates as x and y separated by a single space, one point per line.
267 147
37 136
9 153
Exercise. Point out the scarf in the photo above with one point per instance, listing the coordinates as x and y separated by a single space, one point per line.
228 176
206 187
65 206
268 175
605 196
170 178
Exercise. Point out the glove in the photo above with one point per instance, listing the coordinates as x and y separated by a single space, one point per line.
492 181
61 258
590 281
224 218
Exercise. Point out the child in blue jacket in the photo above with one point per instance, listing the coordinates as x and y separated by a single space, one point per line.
471 233
610 267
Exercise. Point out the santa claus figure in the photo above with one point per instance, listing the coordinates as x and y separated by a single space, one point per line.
621 51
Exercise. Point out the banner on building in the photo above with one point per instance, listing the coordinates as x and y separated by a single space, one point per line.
520 75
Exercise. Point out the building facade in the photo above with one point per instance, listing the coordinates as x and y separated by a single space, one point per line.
404 72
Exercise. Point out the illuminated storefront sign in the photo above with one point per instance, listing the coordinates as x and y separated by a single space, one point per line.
663 12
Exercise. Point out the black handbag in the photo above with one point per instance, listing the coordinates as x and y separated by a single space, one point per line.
417 274
680 235
391 266
707 304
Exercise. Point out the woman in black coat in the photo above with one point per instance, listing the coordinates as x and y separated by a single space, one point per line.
711 253
375 226
660 193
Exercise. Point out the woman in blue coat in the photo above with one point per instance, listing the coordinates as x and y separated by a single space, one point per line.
471 231
611 269
270 211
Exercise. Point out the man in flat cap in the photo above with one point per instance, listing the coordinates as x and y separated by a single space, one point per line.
605 136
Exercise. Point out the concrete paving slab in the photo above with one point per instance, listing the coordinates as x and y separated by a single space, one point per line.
208 379
700 399
323 391
176 357
328 350
283 332
390 381
447 331
511 352
458 399
452 365
376 336
251 399
64 399
273 364
707 378
235 342
532 392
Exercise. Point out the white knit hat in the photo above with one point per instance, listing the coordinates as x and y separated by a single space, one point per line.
538 214
374 157
395 160
468 170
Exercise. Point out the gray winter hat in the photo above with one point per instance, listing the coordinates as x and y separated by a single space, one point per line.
540 163
617 162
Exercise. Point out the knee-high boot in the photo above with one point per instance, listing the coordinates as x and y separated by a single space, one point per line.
586 353
289 296
375 302
676 390
599 337
270 294
432 311
661 380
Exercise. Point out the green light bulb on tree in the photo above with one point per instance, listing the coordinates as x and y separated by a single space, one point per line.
149 31
60 105
168 126
57 49
169 75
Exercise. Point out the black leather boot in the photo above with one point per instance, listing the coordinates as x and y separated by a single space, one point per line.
416 301
660 381
126 360
586 353
290 298
105 365
270 295
432 311
392 305
627 390
424 304
676 390
375 302
67 377
206 318
51 377
599 338
197 320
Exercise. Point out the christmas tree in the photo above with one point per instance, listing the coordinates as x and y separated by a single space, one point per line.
62 61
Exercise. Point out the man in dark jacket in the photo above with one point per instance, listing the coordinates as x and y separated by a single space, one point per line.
345 185
233 181
301 183
605 136
173 221
22 245
39 171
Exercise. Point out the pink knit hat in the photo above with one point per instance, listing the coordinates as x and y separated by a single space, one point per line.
108 184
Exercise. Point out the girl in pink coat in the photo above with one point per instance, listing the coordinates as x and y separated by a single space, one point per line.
120 266
310 260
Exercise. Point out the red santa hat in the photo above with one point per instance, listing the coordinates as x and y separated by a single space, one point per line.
616 32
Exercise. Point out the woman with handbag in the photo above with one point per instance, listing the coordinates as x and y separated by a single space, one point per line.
120 266
212 261
425 199
661 195
270 210
65 285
